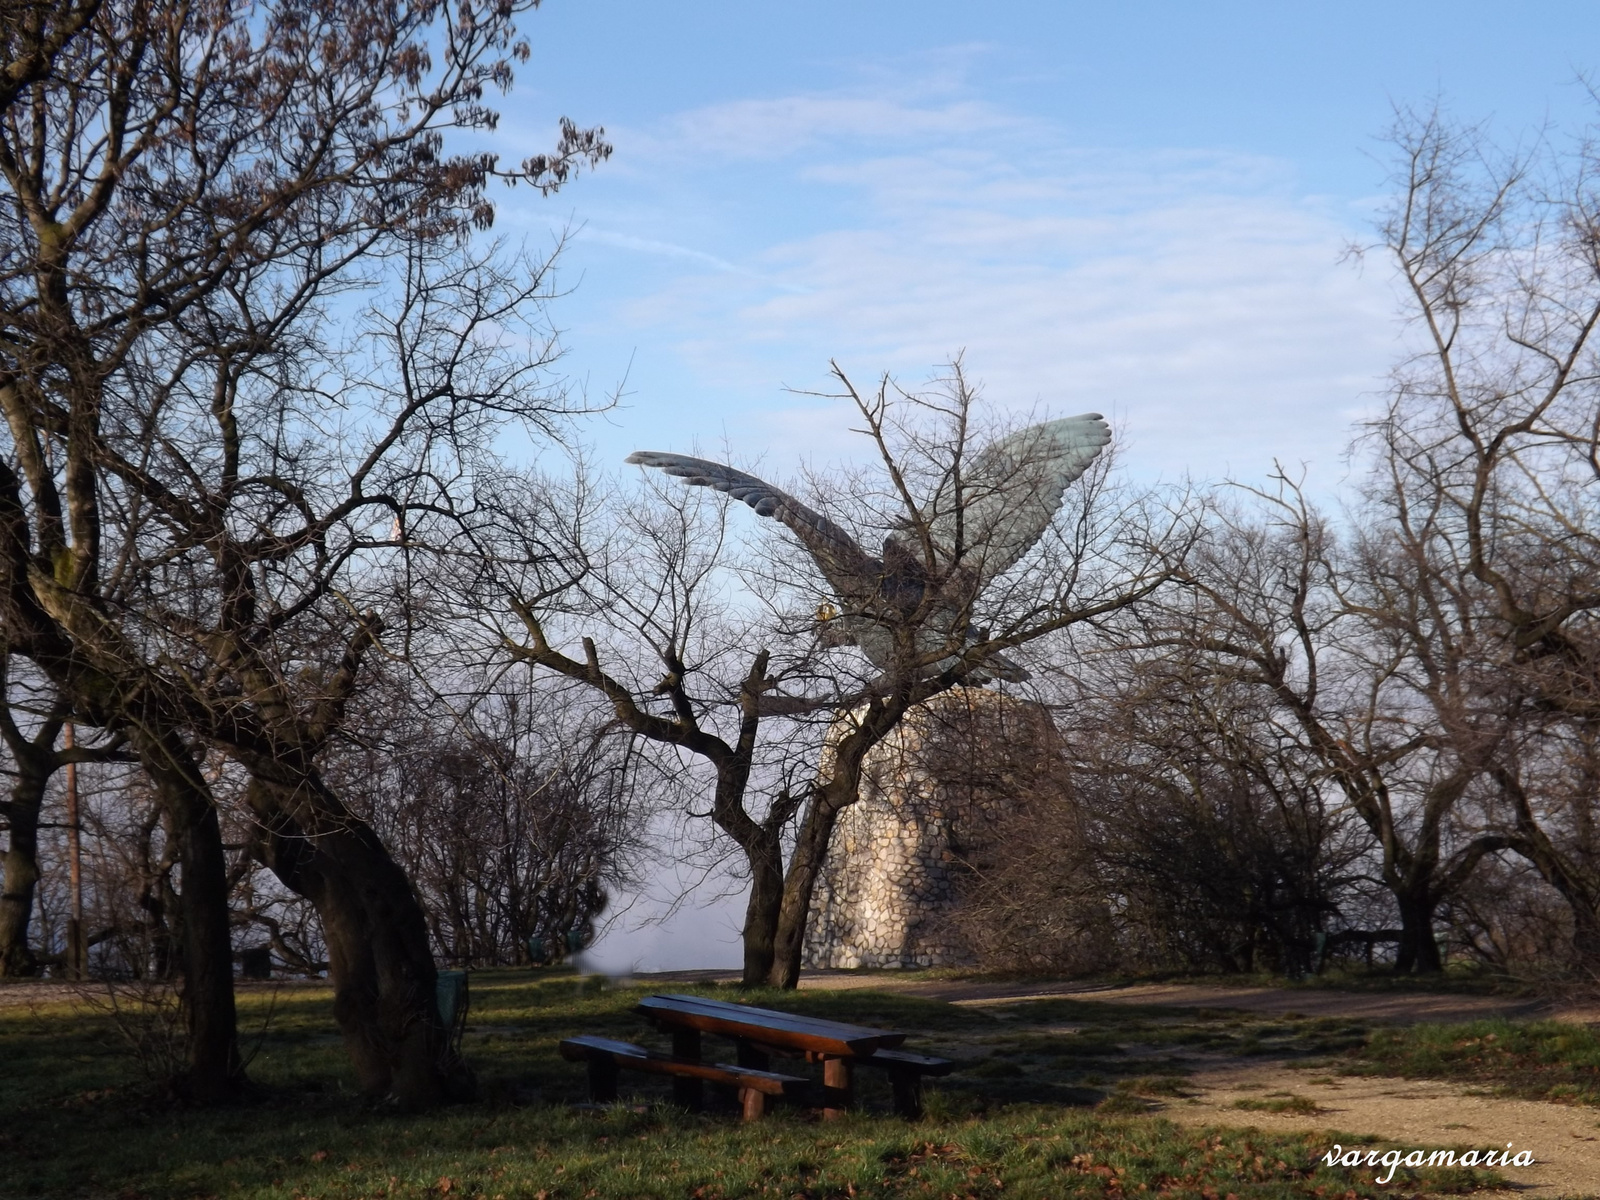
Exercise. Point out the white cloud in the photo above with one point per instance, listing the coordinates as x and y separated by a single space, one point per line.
1194 294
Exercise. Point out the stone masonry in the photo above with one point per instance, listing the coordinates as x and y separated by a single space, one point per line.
893 867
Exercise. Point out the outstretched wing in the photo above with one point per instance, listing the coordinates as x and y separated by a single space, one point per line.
853 573
1011 492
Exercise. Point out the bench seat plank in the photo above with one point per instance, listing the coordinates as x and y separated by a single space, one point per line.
904 1060
607 1055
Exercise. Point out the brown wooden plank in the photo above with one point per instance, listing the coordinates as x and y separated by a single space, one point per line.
903 1060
771 1016
838 1088
637 1058
767 1027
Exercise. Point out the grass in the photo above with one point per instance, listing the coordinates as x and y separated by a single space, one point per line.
77 1119
1286 1102
1534 1060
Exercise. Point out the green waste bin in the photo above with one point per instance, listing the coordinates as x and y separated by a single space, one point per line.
451 994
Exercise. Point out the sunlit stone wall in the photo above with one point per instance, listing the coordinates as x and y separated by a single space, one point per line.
892 871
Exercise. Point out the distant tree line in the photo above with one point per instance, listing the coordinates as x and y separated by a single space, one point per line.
1373 727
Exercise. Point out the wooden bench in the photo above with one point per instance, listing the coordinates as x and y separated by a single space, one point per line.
761 1032
906 1073
606 1057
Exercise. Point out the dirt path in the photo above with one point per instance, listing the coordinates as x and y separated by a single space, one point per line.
1311 1002
1564 1140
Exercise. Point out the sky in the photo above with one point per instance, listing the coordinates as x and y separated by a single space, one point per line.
1141 209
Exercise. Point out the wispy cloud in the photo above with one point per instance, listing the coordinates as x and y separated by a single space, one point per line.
626 241
1197 294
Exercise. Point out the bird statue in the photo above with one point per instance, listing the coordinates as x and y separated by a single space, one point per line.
981 520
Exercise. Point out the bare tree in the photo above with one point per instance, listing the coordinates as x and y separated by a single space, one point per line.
1333 642
195 199
1487 469
32 717
512 818
971 571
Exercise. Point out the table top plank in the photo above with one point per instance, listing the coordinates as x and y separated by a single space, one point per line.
770 1027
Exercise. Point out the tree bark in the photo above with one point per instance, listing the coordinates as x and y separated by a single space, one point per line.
1419 949
762 911
216 1072
21 869
841 789
379 959
810 852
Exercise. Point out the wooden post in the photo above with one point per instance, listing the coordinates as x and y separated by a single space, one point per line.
838 1087
907 1084
753 1102
687 1092
602 1079
750 1055
77 945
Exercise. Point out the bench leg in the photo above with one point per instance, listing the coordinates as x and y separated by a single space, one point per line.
687 1092
750 1056
838 1087
753 1103
602 1080
907 1092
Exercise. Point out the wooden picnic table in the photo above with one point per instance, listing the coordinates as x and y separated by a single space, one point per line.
762 1032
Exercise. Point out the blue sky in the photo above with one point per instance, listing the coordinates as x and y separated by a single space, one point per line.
1135 208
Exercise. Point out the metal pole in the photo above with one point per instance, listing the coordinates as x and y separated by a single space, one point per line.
77 951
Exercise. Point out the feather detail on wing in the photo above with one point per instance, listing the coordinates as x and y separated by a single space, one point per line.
853 573
1011 491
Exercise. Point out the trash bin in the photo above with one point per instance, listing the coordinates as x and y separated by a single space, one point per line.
451 994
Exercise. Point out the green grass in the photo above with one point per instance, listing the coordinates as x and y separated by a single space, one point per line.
1285 1103
78 1119
1536 1060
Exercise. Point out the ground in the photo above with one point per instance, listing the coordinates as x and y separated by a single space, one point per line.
1171 1089
1564 1139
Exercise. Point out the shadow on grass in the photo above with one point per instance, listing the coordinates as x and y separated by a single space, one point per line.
76 1118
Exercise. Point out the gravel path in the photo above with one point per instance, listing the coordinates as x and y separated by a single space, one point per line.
1564 1139
1310 1002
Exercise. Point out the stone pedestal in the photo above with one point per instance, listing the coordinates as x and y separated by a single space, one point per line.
928 802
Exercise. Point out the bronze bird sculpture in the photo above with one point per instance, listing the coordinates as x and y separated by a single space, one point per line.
980 522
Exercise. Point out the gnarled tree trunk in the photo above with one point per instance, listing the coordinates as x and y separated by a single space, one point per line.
216 1072
21 867
378 954
1418 953
840 789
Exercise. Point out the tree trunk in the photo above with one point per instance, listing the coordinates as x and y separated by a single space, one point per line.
21 867
379 959
1419 949
762 912
842 789
810 852
216 1072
